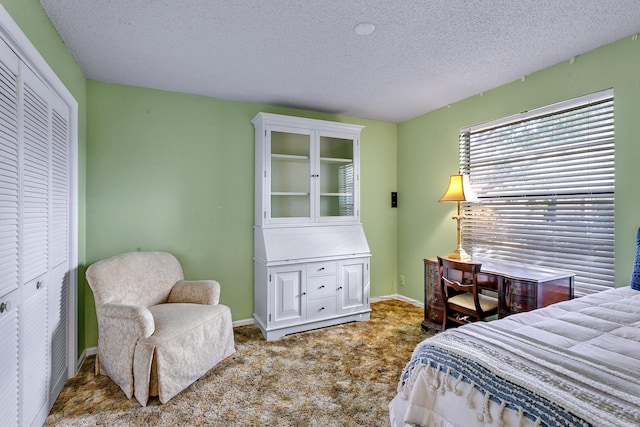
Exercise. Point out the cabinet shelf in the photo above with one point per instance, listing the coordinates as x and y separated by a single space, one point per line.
289 157
337 194
335 160
288 193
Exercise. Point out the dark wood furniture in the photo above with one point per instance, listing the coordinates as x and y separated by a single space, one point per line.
462 297
519 288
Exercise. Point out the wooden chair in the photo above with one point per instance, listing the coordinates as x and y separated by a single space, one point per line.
462 299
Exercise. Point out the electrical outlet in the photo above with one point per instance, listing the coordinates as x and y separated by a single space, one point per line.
401 280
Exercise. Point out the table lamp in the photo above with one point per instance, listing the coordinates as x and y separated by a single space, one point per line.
459 190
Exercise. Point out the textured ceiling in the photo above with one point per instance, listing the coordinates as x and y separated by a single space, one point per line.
305 54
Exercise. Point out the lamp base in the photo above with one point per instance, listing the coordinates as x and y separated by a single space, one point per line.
460 254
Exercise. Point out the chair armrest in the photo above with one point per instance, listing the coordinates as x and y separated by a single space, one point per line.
120 326
134 321
195 292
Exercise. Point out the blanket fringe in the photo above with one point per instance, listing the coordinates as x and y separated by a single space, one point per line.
435 383
503 405
521 415
485 415
471 388
455 385
447 379
444 385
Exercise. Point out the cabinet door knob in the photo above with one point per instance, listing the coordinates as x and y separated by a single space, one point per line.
321 308
321 268
321 286
339 287
303 294
5 306
39 284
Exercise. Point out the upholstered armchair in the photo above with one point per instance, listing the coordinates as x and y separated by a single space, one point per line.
157 333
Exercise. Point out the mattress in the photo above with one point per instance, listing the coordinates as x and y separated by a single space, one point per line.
574 363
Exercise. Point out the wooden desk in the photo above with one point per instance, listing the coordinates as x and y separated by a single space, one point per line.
519 287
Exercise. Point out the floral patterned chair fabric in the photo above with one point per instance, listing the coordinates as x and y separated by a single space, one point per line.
157 333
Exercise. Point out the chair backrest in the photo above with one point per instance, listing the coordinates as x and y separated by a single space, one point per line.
138 278
458 275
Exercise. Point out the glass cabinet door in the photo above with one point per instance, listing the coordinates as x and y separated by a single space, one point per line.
337 177
307 171
290 175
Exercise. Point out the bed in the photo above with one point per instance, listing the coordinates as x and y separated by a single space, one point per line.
575 363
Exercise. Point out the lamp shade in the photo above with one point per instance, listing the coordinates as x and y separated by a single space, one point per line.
459 190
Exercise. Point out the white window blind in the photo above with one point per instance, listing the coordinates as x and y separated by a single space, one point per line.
545 183
346 187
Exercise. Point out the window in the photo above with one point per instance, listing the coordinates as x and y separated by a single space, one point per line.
545 183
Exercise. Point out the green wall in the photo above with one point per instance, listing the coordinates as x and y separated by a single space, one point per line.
175 172
33 21
428 153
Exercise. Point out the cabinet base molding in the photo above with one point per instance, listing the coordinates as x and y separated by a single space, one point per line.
277 333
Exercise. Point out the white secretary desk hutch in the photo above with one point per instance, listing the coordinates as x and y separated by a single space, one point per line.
311 256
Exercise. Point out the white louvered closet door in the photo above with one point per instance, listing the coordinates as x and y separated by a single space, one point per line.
58 287
34 366
35 176
35 209
9 215
9 361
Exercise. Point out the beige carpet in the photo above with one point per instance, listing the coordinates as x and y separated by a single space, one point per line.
339 376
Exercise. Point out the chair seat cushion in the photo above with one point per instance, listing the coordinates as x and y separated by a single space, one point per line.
189 339
465 300
173 320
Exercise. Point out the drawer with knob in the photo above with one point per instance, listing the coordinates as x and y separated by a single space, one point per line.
321 268
322 286
321 307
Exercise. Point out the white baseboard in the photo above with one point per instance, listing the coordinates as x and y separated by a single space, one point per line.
83 355
244 322
398 297
87 352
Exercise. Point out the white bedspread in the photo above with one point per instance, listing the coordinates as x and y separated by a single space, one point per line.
573 363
